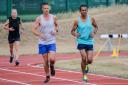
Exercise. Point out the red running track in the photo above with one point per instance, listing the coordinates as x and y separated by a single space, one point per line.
26 74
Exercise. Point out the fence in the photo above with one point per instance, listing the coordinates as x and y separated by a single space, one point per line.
32 7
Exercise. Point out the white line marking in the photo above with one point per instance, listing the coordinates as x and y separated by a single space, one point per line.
20 72
115 84
13 81
80 73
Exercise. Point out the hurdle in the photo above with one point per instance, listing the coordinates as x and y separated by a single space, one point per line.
115 51
108 37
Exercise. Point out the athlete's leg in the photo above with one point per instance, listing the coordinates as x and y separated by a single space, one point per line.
83 60
90 56
52 62
89 50
46 64
84 64
52 51
11 49
46 67
17 45
44 52
11 52
52 57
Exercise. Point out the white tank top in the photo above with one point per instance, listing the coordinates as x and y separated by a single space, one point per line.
46 27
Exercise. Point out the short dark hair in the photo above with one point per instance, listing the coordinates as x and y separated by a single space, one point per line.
83 5
42 4
45 3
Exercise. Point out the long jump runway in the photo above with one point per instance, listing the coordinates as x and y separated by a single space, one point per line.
28 74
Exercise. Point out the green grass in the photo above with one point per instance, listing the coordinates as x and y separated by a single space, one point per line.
2 18
29 17
109 66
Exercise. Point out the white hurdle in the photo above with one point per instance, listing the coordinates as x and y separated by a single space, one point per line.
109 44
106 36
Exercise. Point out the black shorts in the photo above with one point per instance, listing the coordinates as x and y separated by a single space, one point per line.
85 46
13 39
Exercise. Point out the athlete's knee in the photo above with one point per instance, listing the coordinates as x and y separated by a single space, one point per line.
11 49
52 60
17 48
83 55
90 61
83 58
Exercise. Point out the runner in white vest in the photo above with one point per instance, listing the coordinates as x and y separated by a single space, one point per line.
46 27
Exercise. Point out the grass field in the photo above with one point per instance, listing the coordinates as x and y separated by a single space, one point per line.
110 20
109 66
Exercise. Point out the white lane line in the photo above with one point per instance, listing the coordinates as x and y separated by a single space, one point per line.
115 84
13 81
80 73
20 72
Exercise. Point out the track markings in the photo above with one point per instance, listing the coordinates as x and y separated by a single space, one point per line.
14 81
63 79
80 72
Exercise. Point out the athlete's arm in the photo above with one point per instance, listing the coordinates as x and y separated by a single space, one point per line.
6 26
36 26
56 23
56 26
94 25
74 29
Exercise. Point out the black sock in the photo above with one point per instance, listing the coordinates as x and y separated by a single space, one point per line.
48 76
51 66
